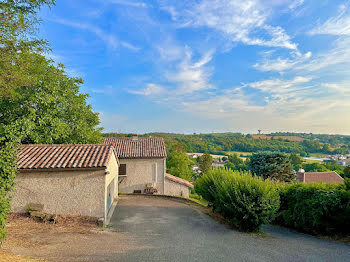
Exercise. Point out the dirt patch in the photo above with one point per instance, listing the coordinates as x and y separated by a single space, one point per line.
6 257
72 239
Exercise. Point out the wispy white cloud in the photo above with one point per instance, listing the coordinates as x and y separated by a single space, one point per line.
280 64
191 76
128 3
183 77
288 104
236 20
338 25
107 90
150 90
295 4
279 86
108 38
334 60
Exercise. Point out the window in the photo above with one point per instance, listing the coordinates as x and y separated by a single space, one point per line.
122 170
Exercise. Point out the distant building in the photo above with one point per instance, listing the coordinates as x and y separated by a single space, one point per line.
312 177
218 163
344 163
193 156
196 169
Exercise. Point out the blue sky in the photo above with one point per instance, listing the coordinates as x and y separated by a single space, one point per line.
210 65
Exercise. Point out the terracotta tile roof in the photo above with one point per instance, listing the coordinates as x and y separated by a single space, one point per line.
43 157
142 147
178 180
326 177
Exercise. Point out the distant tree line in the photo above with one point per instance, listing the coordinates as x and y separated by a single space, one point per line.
219 143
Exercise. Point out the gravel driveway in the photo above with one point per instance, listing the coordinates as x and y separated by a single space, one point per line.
167 230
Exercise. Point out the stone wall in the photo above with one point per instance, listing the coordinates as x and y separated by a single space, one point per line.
176 189
112 173
64 192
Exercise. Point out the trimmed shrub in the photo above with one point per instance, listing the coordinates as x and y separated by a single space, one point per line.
246 201
206 185
316 208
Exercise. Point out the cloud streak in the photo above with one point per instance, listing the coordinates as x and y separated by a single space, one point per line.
236 20
108 38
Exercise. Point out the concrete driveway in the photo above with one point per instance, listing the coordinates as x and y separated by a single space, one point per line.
167 230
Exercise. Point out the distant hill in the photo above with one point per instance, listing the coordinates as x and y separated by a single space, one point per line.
220 143
289 138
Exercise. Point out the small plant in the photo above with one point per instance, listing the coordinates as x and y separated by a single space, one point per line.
29 208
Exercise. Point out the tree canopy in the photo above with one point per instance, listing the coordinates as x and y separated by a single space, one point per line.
53 111
18 39
205 162
39 102
179 164
272 165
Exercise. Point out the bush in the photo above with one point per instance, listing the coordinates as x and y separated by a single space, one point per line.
246 201
206 185
316 208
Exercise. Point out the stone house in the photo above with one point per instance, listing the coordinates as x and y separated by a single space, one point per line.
85 179
143 167
67 179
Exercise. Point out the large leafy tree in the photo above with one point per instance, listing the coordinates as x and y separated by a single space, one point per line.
296 161
179 164
346 172
272 165
17 41
39 103
314 167
205 162
53 111
18 20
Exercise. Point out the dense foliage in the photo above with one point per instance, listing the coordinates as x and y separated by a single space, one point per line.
218 143
206 185
317 208
234 162
346 172
205 161
178 164
246 201
323 138
53 111
39 103
327 166
17 41
272 165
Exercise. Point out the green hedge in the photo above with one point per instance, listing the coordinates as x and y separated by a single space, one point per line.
8 171
316 208
246 201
